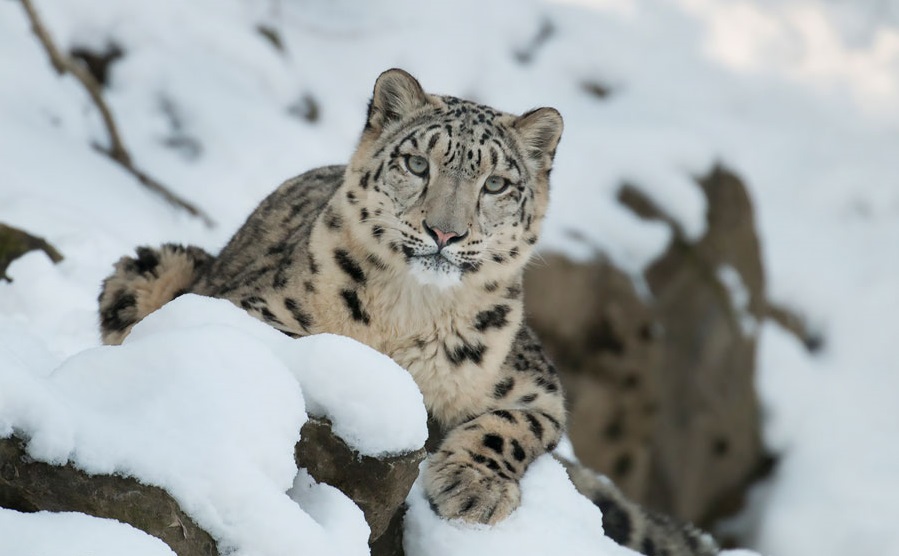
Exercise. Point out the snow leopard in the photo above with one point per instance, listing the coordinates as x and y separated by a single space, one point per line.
416 248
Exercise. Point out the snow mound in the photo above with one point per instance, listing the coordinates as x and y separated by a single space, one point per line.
553 517
372 403
73 534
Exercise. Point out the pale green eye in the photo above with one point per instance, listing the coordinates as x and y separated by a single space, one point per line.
418 165
496 184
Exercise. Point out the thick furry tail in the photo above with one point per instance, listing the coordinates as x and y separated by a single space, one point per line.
139 286
633 526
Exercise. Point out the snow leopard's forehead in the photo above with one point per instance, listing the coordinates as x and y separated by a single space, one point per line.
471 113
467 138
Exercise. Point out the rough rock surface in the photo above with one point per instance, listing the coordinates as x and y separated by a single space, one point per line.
661 384
708 439
379 486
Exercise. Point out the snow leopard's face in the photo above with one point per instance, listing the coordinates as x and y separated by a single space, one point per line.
454 188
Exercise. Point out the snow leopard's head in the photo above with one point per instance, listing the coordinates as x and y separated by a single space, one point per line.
453 189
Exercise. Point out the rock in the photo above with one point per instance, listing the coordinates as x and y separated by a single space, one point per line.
378 486
29 486
660 386
390 543
603 337
15 242
707 443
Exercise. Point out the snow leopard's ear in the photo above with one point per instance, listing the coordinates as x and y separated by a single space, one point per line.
396 95
540 131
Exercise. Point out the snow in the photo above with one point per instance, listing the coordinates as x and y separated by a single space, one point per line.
73 534
334 511
846 460
800 97
739 297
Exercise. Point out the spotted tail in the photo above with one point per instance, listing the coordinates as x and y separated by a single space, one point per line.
140 285
630 525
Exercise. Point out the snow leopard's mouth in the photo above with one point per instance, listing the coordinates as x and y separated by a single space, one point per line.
435 269
438 262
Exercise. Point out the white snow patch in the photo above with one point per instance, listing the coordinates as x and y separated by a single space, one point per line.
565 449
73 534
819 413
333 510
739 298
372 402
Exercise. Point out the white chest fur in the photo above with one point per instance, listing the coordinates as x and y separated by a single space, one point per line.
423 328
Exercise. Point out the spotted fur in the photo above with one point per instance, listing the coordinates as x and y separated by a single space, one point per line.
416 248
647 532
142 284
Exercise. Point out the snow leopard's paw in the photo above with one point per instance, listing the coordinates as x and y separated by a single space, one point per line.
466 486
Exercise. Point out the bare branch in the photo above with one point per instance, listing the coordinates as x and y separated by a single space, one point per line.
116 150
795 324
15 242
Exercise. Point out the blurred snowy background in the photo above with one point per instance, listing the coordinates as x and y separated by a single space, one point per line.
223 99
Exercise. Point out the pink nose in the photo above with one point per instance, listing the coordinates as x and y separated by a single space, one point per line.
441 238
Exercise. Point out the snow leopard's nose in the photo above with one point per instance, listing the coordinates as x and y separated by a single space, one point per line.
441 238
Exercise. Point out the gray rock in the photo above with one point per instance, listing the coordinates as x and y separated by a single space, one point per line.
707 441
378 486
660 386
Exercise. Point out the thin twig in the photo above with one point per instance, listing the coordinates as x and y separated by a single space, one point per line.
795 324
116 151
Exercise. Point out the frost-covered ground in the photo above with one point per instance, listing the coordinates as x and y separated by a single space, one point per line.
800 97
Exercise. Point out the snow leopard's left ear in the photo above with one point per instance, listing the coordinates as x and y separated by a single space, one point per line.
396 95
540 131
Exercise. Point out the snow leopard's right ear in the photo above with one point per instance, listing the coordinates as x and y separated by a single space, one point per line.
396 95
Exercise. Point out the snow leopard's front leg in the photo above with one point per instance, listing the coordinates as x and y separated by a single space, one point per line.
474 474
